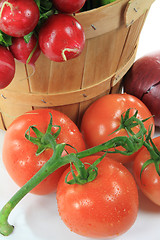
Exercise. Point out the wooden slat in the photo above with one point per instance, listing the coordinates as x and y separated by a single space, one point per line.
102 62
104 19
130 45
122 70
71 86
10 110
67 76
135 9
2 125
39 81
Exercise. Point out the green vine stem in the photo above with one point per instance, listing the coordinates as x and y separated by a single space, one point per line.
154 153
131 144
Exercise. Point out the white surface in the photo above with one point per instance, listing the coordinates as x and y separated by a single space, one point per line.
150 35
36 217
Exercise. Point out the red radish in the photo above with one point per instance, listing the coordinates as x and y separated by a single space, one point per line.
61 38
18 17
143 81
68 6
25 52
7 67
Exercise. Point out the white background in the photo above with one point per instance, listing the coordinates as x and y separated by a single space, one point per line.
36 217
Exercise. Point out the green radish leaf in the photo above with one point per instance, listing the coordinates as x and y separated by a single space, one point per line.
104 2
91 4
5 40
28 36
38 3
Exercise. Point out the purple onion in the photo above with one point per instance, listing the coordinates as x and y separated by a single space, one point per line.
143 81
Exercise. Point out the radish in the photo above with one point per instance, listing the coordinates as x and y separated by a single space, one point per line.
7 67
61 38
25 52
18 17
68 6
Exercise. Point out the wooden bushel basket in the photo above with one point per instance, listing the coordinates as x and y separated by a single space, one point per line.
112 34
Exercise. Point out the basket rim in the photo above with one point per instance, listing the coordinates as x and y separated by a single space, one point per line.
101 7
93 20
116 14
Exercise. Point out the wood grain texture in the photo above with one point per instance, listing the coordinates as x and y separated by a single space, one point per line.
20 84
72 86
135 9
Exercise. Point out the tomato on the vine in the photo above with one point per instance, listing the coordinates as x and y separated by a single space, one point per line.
149 180
19 154
103 117
105 207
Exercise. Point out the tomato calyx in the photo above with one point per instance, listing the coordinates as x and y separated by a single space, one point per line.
134 141
84 175
48 141
128 122
39 140
154 153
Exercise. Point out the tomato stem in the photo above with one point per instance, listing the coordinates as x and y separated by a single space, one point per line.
154 153
51 165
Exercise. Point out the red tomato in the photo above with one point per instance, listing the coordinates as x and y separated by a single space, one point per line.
149 183
18 17
103 117
19 153
105 207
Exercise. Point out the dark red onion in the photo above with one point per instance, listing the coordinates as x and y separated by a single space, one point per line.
143 81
